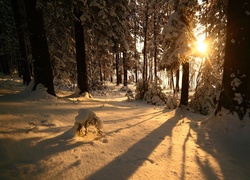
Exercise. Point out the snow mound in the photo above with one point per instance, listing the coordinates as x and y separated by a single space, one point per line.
229 123
77 94
39 93
85 118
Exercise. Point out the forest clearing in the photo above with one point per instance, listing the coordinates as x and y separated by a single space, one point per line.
141 141
125 89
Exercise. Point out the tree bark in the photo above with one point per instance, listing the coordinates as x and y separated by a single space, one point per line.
82 73
235 95
40 51
125 70
185 84
117 65
24 60
4 65
177 87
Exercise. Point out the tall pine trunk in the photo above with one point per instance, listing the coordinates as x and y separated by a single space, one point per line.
40 51
117 66
20 33
4 65
185 84
82 73
236 77
177 87
125 70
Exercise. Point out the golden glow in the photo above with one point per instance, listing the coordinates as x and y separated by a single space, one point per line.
201 46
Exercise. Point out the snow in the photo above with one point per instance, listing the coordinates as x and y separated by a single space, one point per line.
140 141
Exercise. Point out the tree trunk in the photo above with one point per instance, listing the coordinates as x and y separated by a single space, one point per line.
40 51
145 63
117 65
82 73
236 77
177 87
155 41
4 65
172 81
100 71
185 84
144 75
125 71
24 60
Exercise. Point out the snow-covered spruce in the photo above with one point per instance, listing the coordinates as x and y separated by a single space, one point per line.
85 118
153 94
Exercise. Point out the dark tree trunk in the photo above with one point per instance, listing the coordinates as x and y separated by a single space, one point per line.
82 73
40 51
172 81
144 73
136 73
117 66
155 41
236 78
4 65
125 70
100 71
185 84
177 87
24 65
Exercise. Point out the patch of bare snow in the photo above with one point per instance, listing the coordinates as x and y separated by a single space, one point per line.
141 141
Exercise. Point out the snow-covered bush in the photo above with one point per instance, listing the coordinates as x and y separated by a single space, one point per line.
141 88
129 94
205 98
86 118
154 95
96 85
40 92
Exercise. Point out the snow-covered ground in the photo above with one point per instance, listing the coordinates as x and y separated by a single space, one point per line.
140 141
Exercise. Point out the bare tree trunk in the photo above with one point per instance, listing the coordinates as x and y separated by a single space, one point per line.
82 72
177 87
40 51
125 71
24 60
155 42
144 75
100 71
185 84
236 77
117 65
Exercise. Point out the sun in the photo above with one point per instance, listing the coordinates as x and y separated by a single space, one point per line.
201 46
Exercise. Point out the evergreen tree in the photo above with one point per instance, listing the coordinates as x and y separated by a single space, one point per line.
8 39
40 52
212 17
236 78
82 72
178 35
21 39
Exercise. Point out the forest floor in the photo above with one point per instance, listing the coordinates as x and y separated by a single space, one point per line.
140 141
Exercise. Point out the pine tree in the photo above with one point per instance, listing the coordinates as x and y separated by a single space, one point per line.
236 77
21 39
82 72
40 52
178 35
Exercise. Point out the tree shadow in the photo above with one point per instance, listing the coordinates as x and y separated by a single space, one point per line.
123 166
21 158
231 154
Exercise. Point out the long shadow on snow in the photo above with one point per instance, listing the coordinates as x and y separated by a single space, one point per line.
31 151
231 153
126 164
